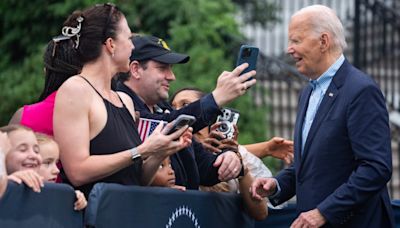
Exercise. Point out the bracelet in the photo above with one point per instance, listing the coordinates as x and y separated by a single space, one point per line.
135 155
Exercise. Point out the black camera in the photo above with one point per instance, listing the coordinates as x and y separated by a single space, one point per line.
228 118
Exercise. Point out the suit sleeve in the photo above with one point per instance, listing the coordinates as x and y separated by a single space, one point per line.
369 136
205 110
287 184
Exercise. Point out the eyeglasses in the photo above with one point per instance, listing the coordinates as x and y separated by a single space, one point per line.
111 12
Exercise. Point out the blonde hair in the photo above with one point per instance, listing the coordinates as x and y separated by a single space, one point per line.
14 127
43 138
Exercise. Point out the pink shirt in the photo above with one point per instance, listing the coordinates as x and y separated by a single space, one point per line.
39 116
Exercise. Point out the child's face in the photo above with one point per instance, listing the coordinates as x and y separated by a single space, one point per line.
165 175
24 151
50 155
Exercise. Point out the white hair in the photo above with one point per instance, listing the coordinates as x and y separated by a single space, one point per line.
324 19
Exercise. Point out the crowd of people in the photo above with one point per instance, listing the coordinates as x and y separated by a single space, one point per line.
100 78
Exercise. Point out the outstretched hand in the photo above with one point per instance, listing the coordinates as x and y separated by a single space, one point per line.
281 148
262 187
231 86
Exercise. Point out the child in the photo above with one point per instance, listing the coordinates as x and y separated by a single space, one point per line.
48 169
23 159
165 176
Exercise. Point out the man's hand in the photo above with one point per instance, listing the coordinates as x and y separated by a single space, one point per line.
262 187
310 219
280 148
230 85
229 166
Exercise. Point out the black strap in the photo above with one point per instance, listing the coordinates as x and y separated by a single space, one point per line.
123 104
91 86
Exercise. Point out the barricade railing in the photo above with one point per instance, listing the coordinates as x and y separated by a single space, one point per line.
113 205
53 207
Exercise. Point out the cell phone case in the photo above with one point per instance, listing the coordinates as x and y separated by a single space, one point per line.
248 54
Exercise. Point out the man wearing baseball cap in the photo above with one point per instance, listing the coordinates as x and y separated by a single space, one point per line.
153 48
147 83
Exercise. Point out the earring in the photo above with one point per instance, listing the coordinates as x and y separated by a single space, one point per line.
112 55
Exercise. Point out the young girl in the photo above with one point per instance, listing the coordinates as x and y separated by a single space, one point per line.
165 176
23 159
50 154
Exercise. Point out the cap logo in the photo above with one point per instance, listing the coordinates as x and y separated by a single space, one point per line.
163 44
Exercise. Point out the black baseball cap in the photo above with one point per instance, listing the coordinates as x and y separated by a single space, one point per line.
154 48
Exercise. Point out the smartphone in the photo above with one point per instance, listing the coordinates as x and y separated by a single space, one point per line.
181 121
248 54
228 118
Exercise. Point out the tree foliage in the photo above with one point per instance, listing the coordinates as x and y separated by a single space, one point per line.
204 29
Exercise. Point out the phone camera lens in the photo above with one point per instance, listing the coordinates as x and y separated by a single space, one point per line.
246 53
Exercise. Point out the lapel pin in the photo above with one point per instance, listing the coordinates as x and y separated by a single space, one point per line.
330 94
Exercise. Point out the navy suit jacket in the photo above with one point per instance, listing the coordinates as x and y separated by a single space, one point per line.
347 160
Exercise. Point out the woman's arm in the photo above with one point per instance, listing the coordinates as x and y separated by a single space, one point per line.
257 209
16 118
276 147
77 118
74 120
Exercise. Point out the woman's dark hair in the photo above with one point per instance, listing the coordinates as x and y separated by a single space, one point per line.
61 62
198 91
99 23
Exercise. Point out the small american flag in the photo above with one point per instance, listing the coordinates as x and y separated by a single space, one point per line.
146 127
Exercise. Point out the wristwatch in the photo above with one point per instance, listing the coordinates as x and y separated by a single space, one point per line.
135 155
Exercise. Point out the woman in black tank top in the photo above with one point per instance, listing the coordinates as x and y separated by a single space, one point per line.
93 125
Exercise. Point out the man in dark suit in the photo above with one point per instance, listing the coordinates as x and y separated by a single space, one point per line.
342 136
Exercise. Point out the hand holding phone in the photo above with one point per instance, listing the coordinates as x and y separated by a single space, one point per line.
181 121
248 54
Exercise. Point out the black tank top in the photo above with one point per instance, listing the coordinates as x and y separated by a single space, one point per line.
119 134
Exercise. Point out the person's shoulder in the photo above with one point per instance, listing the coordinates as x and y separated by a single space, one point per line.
74 86
16 118
74 90
356 79
125 98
